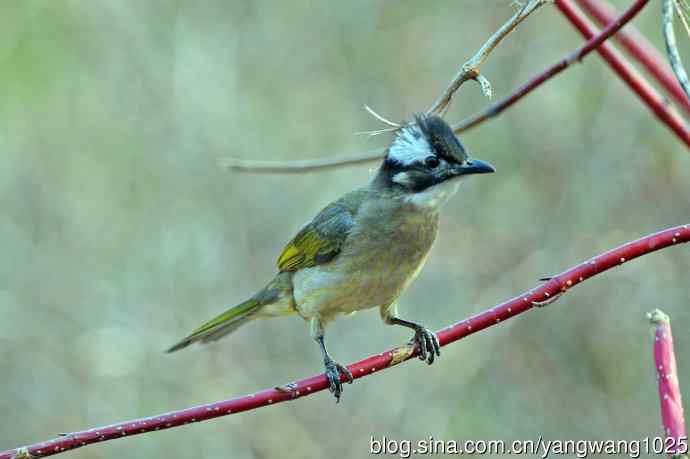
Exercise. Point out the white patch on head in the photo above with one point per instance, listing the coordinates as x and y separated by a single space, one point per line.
409 146
435 196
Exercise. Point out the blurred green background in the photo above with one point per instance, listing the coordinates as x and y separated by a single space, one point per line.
120 233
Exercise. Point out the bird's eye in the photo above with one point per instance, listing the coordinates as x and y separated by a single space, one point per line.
431 162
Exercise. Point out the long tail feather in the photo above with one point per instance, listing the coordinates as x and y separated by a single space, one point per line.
277 295
220 326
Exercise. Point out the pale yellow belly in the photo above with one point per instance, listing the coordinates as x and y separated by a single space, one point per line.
327 293
356 280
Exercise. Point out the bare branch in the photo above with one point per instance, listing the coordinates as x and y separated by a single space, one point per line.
671 46
470 70
596 41
299 166
554 287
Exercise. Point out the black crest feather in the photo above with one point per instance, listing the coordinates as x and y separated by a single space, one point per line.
441 138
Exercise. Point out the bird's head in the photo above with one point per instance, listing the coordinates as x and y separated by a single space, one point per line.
426 160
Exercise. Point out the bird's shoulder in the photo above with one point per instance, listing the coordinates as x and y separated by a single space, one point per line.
320 240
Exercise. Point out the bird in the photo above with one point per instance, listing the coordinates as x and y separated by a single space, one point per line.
364 249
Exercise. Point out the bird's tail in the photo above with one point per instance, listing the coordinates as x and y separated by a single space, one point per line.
279 291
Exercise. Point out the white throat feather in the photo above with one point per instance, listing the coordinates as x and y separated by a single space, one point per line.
435 196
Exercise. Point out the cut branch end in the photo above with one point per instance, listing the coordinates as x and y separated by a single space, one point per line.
658 317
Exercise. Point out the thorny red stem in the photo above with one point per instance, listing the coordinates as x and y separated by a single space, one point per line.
557 285
669 388
639 48
627 72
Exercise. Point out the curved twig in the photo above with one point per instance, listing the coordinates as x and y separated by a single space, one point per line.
596 41
671 46
554 287
470 70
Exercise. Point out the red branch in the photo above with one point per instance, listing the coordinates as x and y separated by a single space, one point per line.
548 291
627 72
596 41
669 389
577 56
639 48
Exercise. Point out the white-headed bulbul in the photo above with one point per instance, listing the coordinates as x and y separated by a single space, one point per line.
364 249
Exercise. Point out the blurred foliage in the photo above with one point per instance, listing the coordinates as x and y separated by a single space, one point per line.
120 234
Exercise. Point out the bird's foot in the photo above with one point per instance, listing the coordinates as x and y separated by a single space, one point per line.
427 342
333 372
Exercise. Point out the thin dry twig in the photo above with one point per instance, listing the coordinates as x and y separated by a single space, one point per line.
671 45
682 12
554 287
470 70
596 41
297 166
682 8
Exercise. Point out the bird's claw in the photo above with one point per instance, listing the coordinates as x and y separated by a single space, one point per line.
333 372
427 342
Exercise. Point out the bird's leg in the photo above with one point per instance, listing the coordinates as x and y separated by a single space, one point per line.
333 369
425 339
333 372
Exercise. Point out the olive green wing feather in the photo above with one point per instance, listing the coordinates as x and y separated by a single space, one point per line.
321 240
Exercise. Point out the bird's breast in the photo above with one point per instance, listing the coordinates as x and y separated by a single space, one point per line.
384 252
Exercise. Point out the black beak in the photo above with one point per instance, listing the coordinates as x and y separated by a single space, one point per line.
474 166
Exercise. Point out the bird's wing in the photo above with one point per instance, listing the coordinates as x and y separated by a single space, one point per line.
321 239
